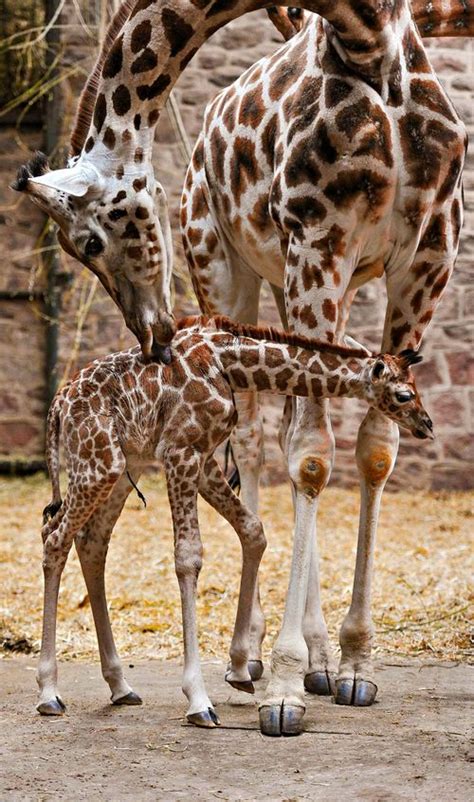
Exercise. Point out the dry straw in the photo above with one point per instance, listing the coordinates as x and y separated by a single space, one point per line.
422 594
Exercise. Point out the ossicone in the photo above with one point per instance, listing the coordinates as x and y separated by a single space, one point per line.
35 167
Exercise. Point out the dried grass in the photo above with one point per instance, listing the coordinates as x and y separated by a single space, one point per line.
422 595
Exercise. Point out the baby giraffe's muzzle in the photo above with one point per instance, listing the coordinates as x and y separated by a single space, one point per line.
423 429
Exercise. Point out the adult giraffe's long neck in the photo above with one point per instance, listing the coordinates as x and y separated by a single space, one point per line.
444 17
161 36
271 361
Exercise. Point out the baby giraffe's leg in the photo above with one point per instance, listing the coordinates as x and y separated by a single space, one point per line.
58 535
182 470
92 544
216 491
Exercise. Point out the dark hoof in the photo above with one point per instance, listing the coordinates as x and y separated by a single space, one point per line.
131 698
365 693
322 683
276 720
360 693
255 668
241 685
55 707
206 718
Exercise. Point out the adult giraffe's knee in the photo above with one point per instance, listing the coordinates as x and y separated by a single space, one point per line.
377 448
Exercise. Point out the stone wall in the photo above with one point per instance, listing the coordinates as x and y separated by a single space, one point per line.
91 326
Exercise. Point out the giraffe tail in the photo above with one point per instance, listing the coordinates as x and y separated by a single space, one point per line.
53 426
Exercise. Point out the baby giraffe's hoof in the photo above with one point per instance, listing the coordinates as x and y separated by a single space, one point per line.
131 698
255 668
245 685
281 719
55 707
206 718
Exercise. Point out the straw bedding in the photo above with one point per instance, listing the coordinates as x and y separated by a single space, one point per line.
422 600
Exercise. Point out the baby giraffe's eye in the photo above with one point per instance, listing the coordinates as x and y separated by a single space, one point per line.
295 13
403 396
94 246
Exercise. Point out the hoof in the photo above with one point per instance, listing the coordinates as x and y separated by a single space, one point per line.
359 692
241 685
276 720
255 668
322 683
131 698
206 718
55 707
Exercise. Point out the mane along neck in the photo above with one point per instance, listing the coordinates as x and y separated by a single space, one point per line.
273 335
85 108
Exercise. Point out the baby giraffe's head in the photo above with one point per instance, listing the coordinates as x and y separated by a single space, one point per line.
391 389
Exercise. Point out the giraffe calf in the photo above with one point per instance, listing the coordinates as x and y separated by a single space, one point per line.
122 413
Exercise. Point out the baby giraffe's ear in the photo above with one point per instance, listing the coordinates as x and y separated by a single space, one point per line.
380 370
409 357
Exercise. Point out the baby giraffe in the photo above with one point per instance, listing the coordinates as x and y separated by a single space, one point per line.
122 413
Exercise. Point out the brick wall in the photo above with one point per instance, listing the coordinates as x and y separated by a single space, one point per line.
90 325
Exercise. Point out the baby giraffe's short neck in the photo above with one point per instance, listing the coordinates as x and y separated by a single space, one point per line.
296 367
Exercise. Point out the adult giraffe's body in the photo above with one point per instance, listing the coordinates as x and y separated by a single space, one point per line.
335 160
110 208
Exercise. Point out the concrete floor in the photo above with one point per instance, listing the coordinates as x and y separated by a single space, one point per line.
412 745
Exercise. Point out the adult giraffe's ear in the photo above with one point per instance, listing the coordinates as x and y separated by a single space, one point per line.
36 178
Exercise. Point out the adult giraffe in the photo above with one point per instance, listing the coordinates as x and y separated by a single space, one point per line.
113 217
110 209
336 160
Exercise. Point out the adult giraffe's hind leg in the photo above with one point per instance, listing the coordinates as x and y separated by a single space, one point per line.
225 285
92 544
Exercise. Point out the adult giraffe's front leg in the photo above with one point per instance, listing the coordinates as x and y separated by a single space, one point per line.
376 452
310 455
412 299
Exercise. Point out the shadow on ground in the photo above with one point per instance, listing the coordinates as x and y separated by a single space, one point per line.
412 745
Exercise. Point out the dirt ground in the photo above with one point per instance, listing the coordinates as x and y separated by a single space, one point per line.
412 745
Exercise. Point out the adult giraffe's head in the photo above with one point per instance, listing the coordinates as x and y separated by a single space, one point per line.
116 223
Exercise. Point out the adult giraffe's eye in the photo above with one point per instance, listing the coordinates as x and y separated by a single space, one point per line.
295 13
94 246
403 396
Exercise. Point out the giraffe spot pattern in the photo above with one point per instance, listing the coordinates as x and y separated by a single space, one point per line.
121 100
177 31
114 61
141 36
145 62
100 112
109 138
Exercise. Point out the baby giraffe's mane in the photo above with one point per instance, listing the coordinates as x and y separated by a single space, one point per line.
85 108
271 334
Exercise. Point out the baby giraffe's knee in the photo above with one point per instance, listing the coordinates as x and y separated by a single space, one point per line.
188 559
253 536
